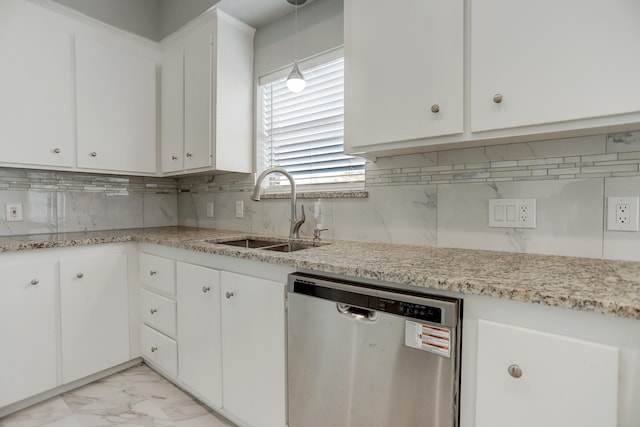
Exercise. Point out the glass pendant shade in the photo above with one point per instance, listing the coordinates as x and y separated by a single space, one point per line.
295 81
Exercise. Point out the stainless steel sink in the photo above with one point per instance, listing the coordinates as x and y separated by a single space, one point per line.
269 245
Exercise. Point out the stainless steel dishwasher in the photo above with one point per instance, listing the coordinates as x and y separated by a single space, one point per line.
366 356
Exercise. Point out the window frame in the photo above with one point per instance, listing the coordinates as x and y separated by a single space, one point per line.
261 142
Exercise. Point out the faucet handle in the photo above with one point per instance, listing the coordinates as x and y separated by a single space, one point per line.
316 233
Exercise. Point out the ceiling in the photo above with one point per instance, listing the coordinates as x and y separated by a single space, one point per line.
257 13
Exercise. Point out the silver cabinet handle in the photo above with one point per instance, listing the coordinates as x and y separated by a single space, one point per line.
515 371
35 282
174 157
228 295
435 108
80 275
153 311
94 154
154 349
56 150
189 155
497 98
206 289
153 273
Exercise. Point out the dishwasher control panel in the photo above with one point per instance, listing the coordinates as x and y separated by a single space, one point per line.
407 309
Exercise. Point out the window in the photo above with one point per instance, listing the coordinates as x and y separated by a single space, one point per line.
304 132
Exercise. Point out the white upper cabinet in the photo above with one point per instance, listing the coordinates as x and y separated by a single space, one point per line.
496 71
404 71
36 105
116 106
553 61
206 106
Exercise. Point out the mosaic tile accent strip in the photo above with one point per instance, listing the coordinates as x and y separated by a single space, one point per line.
619 157
25 180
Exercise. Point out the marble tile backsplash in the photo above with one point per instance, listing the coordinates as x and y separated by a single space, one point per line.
55 202
436 198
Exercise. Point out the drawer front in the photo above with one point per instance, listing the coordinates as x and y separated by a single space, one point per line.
158 273
158 311
159 349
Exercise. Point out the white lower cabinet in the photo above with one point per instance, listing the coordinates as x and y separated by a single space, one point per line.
253 349
200 362
28 358
158 348
528 378
94 314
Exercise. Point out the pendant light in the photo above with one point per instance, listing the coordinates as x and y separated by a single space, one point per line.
295 81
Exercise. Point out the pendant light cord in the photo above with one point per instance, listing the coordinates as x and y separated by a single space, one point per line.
295 38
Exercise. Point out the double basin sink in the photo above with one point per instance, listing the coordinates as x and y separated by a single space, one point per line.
265 244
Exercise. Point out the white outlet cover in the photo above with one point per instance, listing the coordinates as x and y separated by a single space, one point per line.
512 213
612 209
14 212
239 209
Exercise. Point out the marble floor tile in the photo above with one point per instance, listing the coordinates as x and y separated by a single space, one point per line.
135 397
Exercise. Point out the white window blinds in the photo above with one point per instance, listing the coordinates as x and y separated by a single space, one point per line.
304 132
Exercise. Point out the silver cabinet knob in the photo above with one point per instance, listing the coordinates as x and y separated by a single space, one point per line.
153 273
80 275
515 371
153 311
174 157
497 98
35 282
57 150
228 295
435 108
189 155
154 349
206 289
94 154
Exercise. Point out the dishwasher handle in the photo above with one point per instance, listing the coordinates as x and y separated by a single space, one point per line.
357 312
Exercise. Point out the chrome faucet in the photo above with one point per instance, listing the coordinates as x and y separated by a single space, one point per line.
294 231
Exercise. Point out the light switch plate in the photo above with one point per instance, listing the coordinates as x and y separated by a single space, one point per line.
512 213
209 209
622 213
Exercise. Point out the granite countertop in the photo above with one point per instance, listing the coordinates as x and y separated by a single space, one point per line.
609 287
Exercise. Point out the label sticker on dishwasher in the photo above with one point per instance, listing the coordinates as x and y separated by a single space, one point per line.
428 338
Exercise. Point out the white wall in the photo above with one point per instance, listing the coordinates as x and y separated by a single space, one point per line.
140 16
320 28
175 13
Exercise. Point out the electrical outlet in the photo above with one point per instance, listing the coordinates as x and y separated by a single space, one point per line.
622 213
14 212
239 209
512 213
210 210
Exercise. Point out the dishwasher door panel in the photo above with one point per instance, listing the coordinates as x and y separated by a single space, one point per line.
350 372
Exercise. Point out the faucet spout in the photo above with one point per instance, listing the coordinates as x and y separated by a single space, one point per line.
294 229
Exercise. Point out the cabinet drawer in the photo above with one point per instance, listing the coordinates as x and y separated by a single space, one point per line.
158 311
159 349
158 273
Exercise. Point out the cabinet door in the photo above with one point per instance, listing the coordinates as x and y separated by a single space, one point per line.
116 107
563 382
253 349
553 61
36 86
399 62
198 97
172 109
200 364
94 314
28 359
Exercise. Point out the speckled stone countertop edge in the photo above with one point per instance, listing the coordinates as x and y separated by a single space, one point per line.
595 285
